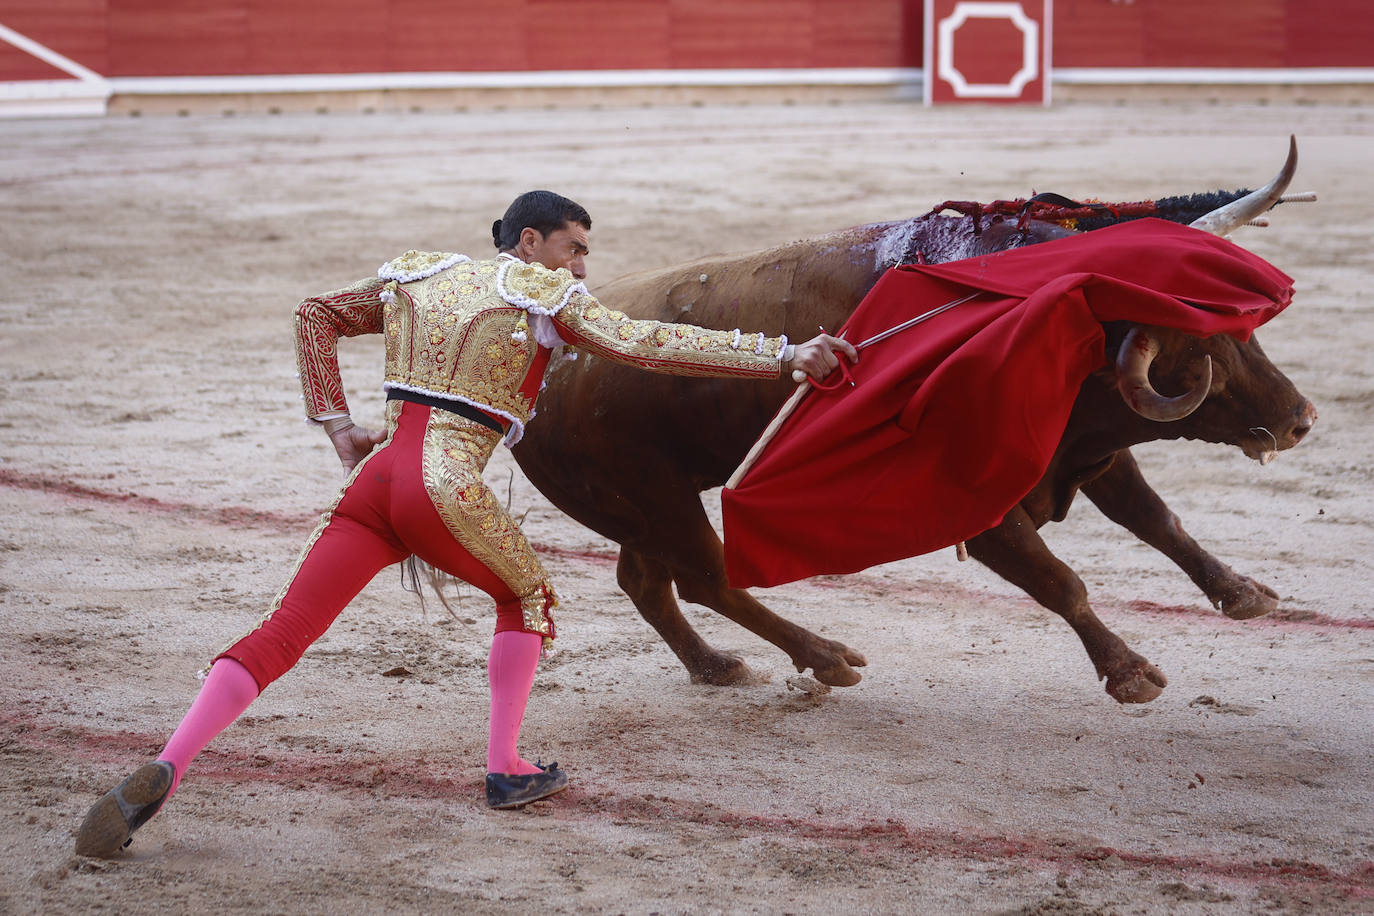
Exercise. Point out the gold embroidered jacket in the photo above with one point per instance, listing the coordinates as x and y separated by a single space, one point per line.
482 332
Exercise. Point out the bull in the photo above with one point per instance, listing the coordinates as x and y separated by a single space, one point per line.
627 454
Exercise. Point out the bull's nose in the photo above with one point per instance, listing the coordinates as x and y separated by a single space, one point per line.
1307 416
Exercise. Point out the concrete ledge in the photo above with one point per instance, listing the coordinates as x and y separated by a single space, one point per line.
1255 93
439 92
440 100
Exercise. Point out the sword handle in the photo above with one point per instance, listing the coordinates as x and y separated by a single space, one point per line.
799 375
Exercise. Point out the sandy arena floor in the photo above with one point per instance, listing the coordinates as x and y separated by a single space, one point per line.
157 481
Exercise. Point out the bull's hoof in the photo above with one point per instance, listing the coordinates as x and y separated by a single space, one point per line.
723 670
840 675
835 667
1246 599
1141 684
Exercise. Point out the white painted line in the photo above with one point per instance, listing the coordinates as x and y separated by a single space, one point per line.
87 94
23 90
49 56
1218 76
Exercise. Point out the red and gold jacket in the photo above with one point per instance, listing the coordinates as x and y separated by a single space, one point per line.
482 333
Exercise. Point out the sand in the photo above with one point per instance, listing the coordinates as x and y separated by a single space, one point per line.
157 480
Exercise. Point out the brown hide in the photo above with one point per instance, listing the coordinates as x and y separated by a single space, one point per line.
627 452
794 289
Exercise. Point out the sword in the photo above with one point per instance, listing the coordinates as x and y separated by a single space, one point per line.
800 378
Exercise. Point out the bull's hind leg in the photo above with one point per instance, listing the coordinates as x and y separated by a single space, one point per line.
650 586
1015 551
695 559
1126 498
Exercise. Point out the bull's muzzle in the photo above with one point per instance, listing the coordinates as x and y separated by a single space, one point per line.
1265 444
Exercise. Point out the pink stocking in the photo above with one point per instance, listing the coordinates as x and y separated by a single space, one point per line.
227 692
510 671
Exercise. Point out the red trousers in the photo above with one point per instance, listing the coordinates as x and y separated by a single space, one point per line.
420 493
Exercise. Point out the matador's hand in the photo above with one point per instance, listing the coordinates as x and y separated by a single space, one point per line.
817 356
352 443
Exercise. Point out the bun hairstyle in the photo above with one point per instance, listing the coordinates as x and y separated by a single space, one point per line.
542 211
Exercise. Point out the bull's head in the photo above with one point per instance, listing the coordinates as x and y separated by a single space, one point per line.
1247 382
1231 392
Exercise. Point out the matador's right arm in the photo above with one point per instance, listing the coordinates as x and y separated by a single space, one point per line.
320 322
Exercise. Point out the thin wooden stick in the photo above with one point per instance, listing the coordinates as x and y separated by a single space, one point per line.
768 434
800 393
800 377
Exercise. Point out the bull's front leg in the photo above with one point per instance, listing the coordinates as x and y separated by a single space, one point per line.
1124 497
1015 551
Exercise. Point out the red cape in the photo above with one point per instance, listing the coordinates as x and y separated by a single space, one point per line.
953 421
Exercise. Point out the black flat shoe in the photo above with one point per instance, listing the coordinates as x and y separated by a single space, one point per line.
111 822
507 790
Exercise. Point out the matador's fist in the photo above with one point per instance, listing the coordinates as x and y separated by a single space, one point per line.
816 358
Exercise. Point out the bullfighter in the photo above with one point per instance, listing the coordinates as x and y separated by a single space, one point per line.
467 344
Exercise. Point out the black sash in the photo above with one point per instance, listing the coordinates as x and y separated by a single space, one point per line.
463 410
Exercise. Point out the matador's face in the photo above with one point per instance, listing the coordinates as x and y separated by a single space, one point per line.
566 247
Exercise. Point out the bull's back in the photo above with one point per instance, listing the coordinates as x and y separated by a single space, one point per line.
602 428
600 425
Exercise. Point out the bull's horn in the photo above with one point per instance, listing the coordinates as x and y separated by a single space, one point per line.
1223 219
1133 360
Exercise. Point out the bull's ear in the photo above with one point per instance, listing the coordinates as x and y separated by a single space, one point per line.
1238 212
1059 200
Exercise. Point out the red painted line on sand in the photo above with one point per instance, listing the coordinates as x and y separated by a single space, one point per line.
231 516
379 775
592 556
244 517
894 836
1280 617
926 592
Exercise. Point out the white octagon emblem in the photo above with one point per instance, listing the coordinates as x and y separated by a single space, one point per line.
976 9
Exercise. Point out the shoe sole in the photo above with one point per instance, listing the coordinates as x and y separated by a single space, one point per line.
109 824
507 806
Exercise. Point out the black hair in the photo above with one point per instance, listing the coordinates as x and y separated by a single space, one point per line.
542 211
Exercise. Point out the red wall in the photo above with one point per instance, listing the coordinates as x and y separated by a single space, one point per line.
176 38
1215 33
214 37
